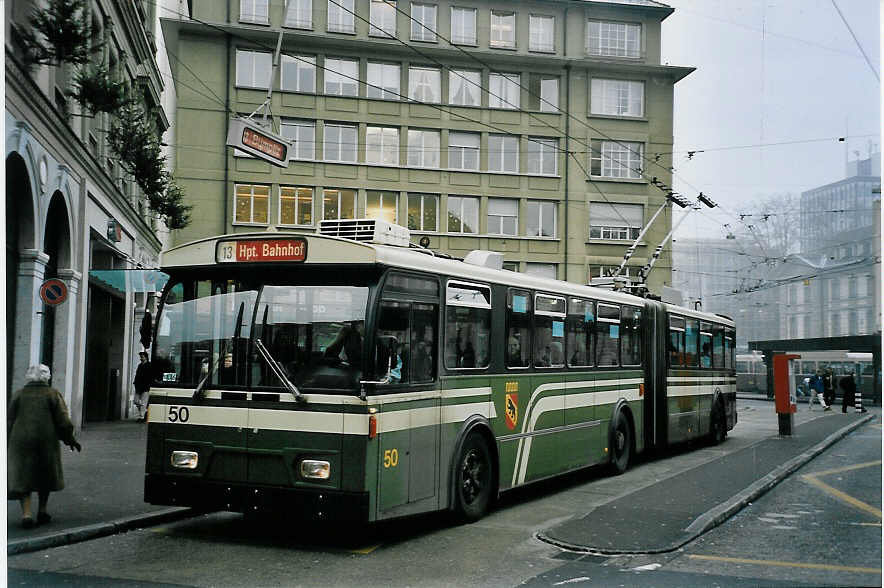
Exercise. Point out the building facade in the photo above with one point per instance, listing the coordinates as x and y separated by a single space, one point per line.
529 128
71 210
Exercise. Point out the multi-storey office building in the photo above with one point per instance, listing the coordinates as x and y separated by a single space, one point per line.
531 128
70 210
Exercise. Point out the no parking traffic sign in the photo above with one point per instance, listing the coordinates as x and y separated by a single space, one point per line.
53 292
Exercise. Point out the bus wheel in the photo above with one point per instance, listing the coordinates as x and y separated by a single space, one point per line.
717 428
473 478
621 445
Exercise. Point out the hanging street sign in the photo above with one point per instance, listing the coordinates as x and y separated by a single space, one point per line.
255 140
53 292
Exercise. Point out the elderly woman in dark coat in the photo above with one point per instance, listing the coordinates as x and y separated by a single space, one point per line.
36 420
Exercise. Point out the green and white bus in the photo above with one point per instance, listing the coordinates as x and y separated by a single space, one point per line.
339 379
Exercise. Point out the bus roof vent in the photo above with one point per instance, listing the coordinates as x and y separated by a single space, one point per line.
489 259
366 230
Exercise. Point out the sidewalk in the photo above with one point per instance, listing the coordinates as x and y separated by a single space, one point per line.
103 494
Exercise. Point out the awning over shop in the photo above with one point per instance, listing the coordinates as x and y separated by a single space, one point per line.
130 280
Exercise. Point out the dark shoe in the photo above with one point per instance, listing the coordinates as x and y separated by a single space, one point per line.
43 518
27 523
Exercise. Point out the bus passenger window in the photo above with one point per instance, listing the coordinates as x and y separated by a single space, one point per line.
718 346
691 339
676 341
581 325
423 343
705 345
394 322
519 328
631 336
607 340
467 326
729 349
549 331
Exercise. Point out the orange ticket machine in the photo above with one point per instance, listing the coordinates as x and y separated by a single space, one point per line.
784 390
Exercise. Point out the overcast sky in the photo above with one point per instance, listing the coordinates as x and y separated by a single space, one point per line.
770 71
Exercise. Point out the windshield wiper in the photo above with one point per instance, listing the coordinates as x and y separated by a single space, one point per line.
198 391
278 371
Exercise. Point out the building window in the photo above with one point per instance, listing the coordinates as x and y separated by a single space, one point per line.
543 93
463 26
540 219
423 148
617 97
503 216
340 16
382 81
616 159
382 17
615 221
503 153
339 143
425 84
606 271
423 212
423 22
253 69
300 14
463 214
338 204
382 205
253 11
341 77
302 134
852 289
503 91
463 151
511 266
252 204
613 39
503 29
541 270
295 205
542 156
382 145
298 73
464 88
541 33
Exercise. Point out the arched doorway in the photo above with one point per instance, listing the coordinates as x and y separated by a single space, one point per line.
57 245
19 235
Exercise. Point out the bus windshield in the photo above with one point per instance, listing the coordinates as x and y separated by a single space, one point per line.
206 330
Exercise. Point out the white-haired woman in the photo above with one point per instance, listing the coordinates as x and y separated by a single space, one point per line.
37 419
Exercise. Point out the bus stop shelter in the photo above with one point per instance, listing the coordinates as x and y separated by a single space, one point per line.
853 343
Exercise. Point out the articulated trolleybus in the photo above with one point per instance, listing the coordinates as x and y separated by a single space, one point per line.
332 377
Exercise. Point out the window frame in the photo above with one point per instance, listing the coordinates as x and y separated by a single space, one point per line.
463 150
497 159
421 150
297 205
529 313
245 17
379 86
295 8
252 82
540 204
604 153
553 315
422 196
609 321
340 197
462 38
598 93
496 27
334 74
300 62
347 14
251 220
543 146
458 77
385 148
435 84
466 304
380 31
500 85
542 48
340 144
500 217
420 30
608 48
460 217
571 321
381 194
294 153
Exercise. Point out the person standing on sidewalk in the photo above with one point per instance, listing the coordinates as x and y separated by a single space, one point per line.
829 386
817 390
36 420
142 382
848 390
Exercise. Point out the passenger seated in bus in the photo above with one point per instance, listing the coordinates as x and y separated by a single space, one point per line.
579 355
514 350
396 365
348 341
468 356
555 357
706 355
543 360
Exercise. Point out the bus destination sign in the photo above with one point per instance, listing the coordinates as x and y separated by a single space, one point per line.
251 138
261 250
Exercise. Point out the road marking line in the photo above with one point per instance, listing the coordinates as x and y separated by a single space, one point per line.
813 480
365 550
786 564
866 524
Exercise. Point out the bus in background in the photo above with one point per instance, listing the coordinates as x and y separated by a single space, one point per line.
752 373
349 375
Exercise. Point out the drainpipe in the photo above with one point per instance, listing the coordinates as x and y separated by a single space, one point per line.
226 122
567 131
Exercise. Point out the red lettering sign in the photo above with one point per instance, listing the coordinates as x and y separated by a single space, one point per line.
263 144
261 250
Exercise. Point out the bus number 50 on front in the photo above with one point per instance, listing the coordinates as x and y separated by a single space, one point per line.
391 458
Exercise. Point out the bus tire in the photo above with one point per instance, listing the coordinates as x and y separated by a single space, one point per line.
473 478
717 425
621 444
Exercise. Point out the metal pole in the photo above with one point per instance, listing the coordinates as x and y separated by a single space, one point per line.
643 274
631 250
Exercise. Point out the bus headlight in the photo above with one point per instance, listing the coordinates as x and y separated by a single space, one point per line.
315 469
186 460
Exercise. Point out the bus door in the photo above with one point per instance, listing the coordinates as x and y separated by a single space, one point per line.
548 383
681 404
580 394
409 404
607 361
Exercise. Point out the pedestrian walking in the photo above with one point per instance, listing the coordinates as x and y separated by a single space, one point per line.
36 420
848 391
817 391
143 377
829 386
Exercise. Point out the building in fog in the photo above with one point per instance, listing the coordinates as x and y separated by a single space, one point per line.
452 118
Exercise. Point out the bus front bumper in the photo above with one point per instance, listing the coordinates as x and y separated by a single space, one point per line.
301 503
